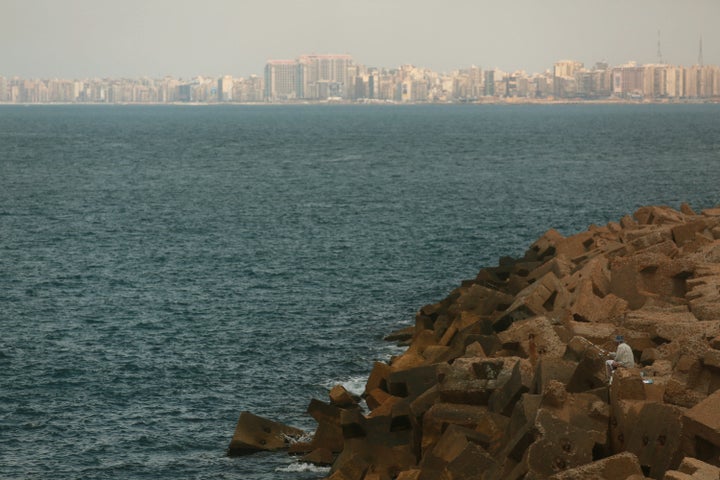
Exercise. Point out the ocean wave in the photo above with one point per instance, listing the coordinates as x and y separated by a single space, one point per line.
355 385
303 467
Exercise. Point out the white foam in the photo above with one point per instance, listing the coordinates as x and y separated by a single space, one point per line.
354 385
303 467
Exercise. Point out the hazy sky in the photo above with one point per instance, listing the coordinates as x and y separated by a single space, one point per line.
183 38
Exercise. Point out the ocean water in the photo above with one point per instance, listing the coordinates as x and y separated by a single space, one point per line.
164 268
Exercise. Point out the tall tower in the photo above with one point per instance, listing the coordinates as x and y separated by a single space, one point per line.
700 55
659 51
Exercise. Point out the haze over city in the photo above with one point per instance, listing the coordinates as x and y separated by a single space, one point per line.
90 38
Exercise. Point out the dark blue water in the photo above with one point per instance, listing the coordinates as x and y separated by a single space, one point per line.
164 268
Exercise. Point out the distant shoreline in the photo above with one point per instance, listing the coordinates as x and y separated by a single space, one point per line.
381 103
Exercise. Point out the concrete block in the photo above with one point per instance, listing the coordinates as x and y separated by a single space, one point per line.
685 233
545 246
340 397
254 433
698 469
411 474
473 463
488 427
320 456
559 446
702 428
549 369
622 466
655 438
411 383
596 271
483 301
502 400
376 397
378 377
546 340
536 299
590 372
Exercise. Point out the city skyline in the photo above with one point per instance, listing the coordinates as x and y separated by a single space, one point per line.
333 78
87 38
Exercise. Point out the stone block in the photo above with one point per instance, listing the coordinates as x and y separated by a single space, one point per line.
401 336
549 369
590 372
386 407
353 468
622 466
339 396
623 417
411 383
658 215
254 433
536 299
451 442
626 282
589 307
502 400
545 246
376 397
559 446
702 428
378 377
488 426
578 348
328 436
320 456
711 359
483 301
699 470
411 474
655 438
473 463
595 333
386 442
546 340
685 233
559 265
410 359
426 400
460 385
627 384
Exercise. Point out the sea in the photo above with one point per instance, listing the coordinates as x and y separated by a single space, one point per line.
164 268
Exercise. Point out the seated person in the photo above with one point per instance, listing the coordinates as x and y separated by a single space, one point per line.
623 357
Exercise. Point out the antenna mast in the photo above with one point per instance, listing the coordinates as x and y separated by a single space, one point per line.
659 51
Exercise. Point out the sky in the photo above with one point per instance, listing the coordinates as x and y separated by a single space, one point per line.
183 38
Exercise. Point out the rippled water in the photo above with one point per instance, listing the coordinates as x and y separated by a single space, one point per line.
164 268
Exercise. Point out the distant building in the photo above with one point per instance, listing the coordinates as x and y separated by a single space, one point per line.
324 76
565 83
225 89
489 83
281 80
633 81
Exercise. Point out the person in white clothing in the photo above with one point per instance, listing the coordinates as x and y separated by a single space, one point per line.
623 357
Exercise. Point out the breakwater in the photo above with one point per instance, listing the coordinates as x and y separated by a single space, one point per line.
506 377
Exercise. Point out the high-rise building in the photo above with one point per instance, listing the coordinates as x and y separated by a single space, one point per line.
225 89
489 89
281 80
323 76
564 82
632 80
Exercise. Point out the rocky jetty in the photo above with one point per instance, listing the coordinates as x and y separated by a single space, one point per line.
506 377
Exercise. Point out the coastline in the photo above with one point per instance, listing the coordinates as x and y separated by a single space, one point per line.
506 377
509 101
